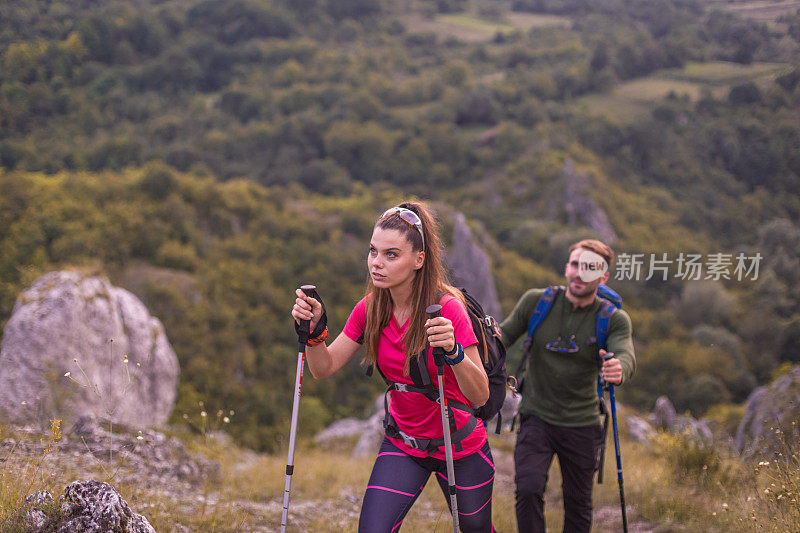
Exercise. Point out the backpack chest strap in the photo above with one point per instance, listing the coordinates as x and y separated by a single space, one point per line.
429 391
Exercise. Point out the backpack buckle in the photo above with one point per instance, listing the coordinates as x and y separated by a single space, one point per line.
493 326
410 441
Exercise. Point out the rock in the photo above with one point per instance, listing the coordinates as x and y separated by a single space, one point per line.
770 421
666 418
581 208
371 437
65 316
639 430
470 267
340 429
370 431
664 414
35 516
152 457
95 507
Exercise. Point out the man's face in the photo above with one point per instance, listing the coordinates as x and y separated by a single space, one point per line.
580 281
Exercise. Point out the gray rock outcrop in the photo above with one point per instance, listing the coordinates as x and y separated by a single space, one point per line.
580 207
86 507
95 507
772 416
117 355
666 418
471 268
639 429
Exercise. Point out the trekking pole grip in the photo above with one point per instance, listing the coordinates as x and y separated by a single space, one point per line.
305 325
435 311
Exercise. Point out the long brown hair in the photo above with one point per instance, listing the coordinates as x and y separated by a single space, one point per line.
429 284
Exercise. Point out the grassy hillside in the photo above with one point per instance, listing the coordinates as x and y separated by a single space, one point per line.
212 155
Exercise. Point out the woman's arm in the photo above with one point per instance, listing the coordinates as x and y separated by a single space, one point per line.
471 376
323 361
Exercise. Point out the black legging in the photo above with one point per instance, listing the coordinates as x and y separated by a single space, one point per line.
398 479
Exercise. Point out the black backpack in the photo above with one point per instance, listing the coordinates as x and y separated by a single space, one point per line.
493 356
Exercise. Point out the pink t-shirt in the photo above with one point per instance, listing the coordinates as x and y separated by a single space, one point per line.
415 414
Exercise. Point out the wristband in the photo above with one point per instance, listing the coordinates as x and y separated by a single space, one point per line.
319 339
452 361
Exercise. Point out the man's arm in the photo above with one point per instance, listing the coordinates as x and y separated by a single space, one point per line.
620 342
516 323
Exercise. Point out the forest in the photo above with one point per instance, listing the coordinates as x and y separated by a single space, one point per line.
212 155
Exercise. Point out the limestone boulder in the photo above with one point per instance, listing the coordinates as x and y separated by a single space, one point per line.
76 345
771 418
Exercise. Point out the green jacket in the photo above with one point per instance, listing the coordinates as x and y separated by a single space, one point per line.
561 388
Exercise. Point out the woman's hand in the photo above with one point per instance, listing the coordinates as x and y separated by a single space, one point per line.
441 333
306 308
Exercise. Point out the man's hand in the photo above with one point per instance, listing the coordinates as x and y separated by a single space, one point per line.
612 369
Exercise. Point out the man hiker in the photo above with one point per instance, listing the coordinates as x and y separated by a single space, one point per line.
559 411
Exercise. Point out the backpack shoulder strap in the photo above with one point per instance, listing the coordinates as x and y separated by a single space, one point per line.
542 308
602 321
537 317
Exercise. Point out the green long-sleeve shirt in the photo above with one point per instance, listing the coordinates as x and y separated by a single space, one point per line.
561 388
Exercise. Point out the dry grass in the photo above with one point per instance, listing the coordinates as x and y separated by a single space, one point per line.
671 484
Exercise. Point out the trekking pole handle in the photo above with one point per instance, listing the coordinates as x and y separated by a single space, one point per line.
435 311
305 325
603 383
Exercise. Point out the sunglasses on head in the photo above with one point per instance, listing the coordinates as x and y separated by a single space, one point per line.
409 217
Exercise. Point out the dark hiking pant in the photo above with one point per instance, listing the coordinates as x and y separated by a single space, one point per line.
577 449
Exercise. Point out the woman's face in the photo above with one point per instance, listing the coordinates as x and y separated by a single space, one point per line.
391 261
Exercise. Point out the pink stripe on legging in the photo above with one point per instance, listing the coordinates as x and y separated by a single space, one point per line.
389 490
459 487
479 510
486 459
401 454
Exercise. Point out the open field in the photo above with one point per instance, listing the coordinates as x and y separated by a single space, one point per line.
760 10
470 27
630 100
725 72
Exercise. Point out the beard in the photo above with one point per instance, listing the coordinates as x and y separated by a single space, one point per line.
584 289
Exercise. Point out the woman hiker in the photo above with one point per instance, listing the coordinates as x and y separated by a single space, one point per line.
406 275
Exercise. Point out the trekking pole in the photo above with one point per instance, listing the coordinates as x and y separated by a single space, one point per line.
438 358
302 339
613 402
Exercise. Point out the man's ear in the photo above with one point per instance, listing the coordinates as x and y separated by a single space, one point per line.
605 278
